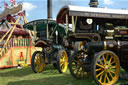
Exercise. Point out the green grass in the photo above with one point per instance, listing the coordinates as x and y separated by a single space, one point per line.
49 76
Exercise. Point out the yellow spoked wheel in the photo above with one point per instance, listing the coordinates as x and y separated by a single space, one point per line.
78 46
77 65
38 62
62 61
106 68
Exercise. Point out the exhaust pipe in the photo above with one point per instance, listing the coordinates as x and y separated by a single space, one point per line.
49 9
93 3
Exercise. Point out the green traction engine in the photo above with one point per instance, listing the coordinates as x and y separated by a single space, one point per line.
101 37
51 38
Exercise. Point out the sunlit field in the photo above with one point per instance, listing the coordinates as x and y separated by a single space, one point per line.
50 76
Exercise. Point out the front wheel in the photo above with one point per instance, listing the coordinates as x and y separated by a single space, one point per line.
105 68
38 62
62 61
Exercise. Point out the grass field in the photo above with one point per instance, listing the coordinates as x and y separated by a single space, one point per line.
49 76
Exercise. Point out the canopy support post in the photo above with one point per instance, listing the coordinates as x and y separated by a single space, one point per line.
34 28
74 23
47 31
67 25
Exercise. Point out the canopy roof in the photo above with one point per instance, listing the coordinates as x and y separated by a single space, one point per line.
90 12
40 24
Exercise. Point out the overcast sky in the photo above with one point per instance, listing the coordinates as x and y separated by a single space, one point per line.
37 9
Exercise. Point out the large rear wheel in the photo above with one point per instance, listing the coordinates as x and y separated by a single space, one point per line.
38 62
62 61
105 68
77 65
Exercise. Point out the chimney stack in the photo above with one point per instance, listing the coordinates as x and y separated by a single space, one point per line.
49 9
93 3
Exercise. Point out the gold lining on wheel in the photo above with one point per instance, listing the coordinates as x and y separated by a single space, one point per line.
107 69
77 66
63 61
39 63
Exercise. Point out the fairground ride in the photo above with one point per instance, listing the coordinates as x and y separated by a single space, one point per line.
16 44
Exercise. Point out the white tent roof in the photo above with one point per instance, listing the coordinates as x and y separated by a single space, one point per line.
99 10
90 12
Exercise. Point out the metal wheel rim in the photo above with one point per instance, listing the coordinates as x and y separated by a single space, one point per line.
77 67
63 61
39 63
107 69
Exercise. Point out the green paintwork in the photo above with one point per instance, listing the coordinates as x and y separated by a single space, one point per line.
41 25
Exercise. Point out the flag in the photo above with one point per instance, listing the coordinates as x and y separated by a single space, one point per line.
12 1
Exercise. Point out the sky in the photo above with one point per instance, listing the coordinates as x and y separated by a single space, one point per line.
37 9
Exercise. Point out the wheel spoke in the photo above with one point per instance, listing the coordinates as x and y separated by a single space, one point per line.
37 68
99 69
104 59
100 65
113 67
105 78
82 72
108 78
36 62
100 61
41 67
74 64
77 70
99 74
61 57
101 77
113 62
110 74
61 62
75 61
107 57
110 61
74 70
62 66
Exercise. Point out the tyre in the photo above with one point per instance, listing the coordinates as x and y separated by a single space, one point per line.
38 62
105 68
77 64
62 61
